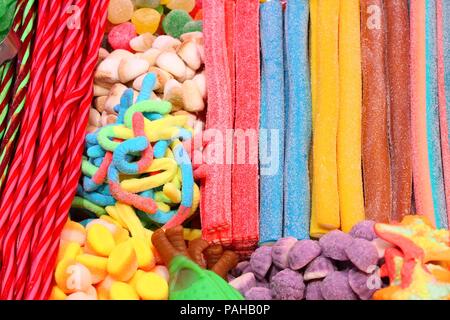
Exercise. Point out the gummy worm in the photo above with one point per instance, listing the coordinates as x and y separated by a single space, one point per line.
81 203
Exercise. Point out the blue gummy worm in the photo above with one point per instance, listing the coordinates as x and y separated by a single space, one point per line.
131 145
91 138
95 151
89 185
298 124
160 148
147 87
152 116
126 101
272 117
95 197
432 114
187 176
97 161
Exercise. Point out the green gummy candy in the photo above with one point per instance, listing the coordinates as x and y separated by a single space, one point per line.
193 26
7 8
175 21
160 9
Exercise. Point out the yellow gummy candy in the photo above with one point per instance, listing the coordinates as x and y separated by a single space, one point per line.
122 291
100 240
96 265
122 262
104 288
57 294
325 186
186 5
68 250
134 281
73 232
351 199
144 254
146 20
121 235
152 287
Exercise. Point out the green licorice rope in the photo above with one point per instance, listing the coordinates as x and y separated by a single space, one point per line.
12 128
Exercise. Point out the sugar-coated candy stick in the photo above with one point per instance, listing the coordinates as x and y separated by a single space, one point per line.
377 177
298 129
432 114
325 189
421 176
398 73
216 195
245 205
351 198
315 230
443 19
272 121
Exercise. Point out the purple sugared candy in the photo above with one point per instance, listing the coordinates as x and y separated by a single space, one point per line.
244 283
302 253
262 284
364 230
287 285
363 254
336 287
313 291
319 268
261 260
273 271
363 284
119 37
258 293
280 252
334 243
239 269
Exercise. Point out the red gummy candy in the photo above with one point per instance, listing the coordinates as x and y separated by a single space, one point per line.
119 37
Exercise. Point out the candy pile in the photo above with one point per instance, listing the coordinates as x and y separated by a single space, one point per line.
141 161
418 261
178 66
339 266
174 17
109 259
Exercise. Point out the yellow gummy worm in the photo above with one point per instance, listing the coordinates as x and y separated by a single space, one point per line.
325 188
132 222
112 212
315 230
191 234
351 198
162 206
169 168
195 199
172 192
164 128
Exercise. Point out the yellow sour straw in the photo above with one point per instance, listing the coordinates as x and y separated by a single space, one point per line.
351 199
325 189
